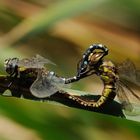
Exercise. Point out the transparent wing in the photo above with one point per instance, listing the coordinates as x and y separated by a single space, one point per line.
121 94
130 75
46 85
34 62
128 98
128 71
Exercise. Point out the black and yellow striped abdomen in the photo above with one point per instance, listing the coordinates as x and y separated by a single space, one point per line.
108 74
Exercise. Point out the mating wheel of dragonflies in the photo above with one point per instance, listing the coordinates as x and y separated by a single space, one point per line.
114 78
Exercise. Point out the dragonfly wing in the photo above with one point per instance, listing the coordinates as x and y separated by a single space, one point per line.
128 98
47 84
121 94
34 62
43 87
128 71
43 60
130 75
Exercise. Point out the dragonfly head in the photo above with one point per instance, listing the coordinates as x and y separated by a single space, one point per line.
10 65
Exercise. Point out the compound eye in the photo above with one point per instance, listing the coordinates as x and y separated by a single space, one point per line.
10 65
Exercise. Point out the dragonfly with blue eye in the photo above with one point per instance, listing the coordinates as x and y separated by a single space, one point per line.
46 83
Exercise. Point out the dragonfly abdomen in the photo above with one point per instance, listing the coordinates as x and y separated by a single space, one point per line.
89 103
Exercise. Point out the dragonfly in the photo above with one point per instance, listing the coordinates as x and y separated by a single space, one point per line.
113 76
45 82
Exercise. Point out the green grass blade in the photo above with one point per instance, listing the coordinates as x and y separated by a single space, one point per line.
48 17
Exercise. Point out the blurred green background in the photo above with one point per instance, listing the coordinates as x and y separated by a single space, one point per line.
61 30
